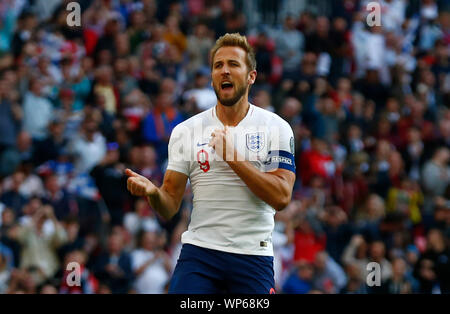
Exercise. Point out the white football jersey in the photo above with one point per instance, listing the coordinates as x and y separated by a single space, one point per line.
226 215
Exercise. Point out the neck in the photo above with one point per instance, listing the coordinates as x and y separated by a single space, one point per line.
232 115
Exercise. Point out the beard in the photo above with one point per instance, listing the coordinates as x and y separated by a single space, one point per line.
233 99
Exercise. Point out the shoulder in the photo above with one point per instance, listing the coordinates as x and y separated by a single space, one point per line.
200 118
269 118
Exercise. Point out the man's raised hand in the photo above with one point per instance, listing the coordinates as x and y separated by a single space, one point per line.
139 185
222 143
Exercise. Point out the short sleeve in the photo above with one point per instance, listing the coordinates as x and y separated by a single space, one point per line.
281 147
178 150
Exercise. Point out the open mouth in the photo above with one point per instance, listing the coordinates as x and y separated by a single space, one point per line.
226 86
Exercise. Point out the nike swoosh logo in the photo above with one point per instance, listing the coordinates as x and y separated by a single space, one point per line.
199 144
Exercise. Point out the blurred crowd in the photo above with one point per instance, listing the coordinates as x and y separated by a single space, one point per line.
369 106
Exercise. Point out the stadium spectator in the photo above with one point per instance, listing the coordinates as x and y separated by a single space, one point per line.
289 47
355 255
37 110
356 283
338 232
113 267
329 277
109 178
401 282
12 157
10 117
151 265
13 198
89 146
202 95
435 175
300 281
51 147
432 268
40 239
263 99
159 123
306 240
199 44
88 283
5 268
75 241
58 197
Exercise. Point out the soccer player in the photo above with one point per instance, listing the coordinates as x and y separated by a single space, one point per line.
240 162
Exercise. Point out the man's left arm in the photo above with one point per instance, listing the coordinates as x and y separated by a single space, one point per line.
274 186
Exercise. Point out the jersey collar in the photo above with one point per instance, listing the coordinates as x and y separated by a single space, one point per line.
249 113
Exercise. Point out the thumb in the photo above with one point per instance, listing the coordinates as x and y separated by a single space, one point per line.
130 173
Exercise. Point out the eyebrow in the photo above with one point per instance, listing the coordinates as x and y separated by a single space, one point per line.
229 61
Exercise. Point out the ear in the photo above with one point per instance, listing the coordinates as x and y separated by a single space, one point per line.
251 77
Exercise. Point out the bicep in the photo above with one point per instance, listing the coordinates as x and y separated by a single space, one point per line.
174 184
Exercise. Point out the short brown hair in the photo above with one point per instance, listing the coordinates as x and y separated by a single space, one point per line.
236 40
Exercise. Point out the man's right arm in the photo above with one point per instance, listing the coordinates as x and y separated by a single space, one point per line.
166 199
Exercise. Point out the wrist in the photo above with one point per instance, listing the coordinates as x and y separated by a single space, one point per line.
152 193
235 158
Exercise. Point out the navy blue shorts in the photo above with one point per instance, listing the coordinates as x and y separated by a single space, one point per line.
205 271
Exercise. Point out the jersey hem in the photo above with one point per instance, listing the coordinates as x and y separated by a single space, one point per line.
227 249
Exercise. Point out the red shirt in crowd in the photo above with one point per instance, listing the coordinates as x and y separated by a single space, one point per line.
313 162
307 245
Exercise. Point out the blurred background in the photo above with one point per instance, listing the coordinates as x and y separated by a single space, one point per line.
369 107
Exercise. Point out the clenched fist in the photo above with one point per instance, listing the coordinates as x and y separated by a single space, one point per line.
222 142
139 185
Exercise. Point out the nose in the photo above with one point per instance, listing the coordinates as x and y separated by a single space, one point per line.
225 70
